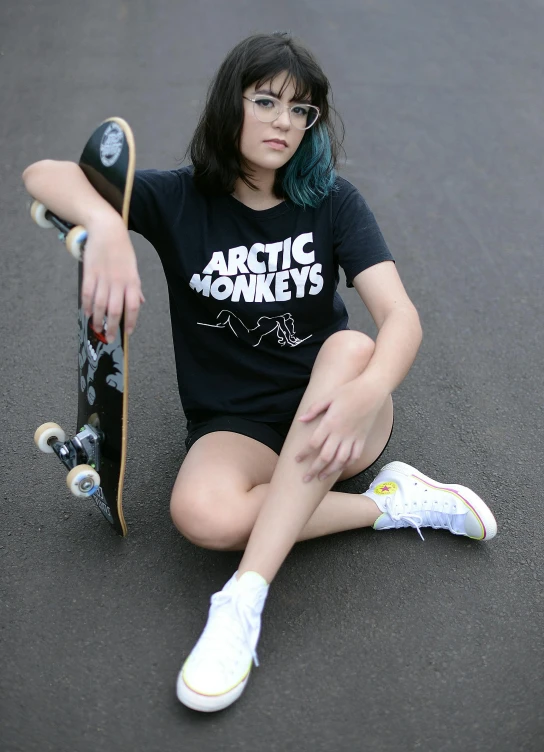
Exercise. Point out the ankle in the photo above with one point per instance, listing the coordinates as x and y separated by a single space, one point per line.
255 577
372 509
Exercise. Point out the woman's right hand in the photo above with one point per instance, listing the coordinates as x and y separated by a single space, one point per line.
111 283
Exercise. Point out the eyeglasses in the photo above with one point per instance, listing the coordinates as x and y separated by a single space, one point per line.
267 109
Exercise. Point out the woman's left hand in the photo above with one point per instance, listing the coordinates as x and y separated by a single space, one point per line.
340 435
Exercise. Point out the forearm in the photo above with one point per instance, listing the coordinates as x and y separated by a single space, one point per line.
397 344
111 283
64 189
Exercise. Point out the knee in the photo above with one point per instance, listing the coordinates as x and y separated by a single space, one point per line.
349 345
207 519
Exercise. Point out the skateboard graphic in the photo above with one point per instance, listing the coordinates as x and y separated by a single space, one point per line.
96 456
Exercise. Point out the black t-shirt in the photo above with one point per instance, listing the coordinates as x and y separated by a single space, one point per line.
252 293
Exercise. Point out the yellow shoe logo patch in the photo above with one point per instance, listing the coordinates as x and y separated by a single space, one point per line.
384 489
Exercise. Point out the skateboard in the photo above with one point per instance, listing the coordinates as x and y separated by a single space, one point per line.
96 456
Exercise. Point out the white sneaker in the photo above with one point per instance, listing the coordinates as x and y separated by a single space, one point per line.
407 498
217 670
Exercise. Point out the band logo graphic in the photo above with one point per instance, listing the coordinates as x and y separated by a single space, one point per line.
263 273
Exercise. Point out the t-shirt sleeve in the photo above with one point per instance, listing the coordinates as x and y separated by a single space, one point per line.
357 239
155 195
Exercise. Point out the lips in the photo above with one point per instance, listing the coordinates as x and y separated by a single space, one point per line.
276 143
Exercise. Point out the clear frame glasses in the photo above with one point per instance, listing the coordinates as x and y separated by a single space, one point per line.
267 109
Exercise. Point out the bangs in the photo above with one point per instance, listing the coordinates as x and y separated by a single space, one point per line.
308 80
304 90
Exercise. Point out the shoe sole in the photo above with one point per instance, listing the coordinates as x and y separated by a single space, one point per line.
207 703
471 500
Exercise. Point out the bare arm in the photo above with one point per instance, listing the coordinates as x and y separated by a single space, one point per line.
399 328
110 280
64 189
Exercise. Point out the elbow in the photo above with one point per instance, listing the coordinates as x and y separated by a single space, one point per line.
420 329
26 175
417 323
31 171
37 170
33 167
410 314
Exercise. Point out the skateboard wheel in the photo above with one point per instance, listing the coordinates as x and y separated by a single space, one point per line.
37 212
83 480
75 241
46 433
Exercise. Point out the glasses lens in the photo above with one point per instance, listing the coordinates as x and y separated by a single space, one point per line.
303 116
266 109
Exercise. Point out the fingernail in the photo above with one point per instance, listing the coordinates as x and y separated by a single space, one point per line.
307 478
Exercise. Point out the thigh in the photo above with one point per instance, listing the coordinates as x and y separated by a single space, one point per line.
219 465
209 501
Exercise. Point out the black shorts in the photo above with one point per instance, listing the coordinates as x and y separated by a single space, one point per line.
271 435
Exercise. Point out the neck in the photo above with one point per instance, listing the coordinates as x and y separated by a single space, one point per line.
261 198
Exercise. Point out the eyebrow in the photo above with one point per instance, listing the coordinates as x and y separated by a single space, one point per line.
277 96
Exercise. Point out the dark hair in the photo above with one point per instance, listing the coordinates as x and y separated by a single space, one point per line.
215 147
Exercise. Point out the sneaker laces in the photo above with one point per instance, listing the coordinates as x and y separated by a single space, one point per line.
232 611
426 518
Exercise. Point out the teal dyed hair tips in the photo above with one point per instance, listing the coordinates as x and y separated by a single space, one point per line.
309 175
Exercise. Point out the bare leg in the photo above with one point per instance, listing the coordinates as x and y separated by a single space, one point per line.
224 482
225 479
290 503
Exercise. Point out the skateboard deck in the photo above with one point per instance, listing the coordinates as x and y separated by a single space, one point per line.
96 455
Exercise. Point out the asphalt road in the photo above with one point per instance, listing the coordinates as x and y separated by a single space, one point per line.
371 641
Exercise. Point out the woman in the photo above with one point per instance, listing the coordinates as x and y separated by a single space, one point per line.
282 399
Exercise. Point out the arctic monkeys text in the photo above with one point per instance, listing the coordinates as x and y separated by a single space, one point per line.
263 273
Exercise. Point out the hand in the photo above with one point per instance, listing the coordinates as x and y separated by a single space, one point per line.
111 283
340 435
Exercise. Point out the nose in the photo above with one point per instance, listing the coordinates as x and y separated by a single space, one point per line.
283 120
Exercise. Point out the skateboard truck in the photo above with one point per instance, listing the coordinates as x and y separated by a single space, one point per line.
80 455
74 236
